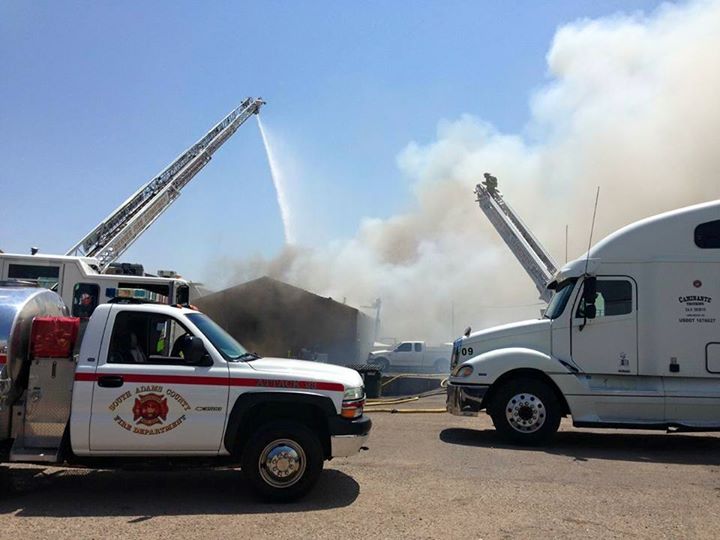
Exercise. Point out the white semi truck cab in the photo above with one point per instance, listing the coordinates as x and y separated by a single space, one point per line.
143 382
630 339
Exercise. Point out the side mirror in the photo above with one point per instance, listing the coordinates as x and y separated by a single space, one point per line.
589 295
195 353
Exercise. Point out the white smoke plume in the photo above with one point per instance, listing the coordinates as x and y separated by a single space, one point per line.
631 106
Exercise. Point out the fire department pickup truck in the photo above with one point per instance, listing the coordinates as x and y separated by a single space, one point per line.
139 382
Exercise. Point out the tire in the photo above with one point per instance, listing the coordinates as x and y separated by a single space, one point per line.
525 411
442 365
383 363
291 478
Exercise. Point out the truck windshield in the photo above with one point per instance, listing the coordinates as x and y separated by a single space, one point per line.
221 340
560 299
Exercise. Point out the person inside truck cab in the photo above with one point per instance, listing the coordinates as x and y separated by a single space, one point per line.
181 344
149 338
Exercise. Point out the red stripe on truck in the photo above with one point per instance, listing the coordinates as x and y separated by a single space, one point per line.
215 381
3 359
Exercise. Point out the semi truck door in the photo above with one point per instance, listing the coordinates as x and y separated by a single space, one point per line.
146 398
607 344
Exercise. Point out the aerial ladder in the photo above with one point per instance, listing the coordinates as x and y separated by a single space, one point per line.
535 260
116 233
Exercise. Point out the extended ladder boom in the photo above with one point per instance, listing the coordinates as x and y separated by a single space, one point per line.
536 261
122 227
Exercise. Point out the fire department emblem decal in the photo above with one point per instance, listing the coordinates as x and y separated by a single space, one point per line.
150 409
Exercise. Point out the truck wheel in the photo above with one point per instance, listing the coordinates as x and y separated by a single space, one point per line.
442 366
382 363
525 411
282 461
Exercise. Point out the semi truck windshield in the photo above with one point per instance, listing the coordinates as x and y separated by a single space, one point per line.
560 299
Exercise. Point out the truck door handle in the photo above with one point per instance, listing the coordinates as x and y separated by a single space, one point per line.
110 381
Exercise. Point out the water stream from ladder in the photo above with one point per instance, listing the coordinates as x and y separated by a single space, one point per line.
279 183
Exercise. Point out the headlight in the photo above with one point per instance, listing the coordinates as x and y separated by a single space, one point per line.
463 371
357 392
353 402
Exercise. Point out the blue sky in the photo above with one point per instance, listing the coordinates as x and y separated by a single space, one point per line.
97 97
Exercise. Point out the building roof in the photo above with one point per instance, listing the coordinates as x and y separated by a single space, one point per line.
265 286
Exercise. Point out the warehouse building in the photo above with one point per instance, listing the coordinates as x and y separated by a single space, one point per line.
273 318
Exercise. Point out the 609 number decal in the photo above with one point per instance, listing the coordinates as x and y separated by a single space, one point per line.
466 351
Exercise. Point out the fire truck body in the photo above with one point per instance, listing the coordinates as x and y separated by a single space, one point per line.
143 381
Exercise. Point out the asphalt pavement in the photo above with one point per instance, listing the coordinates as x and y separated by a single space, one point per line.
425 476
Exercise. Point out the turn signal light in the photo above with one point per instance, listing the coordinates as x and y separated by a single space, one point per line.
352 409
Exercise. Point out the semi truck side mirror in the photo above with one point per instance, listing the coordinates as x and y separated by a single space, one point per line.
589 294
196 354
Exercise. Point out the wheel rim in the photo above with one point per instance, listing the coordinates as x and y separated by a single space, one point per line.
282 463
525 413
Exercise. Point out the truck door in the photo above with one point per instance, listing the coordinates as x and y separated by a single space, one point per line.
146 398
607 344
403 355
420 356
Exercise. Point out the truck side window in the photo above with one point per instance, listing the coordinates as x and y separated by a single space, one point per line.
614 297
182 295
147 338
404 347
85 299
707 235
45 276
418 347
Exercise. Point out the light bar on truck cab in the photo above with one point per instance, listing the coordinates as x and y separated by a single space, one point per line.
135 294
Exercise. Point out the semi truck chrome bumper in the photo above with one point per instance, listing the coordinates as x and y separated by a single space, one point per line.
465 400
348 436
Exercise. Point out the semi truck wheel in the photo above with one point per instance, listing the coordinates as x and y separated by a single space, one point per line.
525 411
282 461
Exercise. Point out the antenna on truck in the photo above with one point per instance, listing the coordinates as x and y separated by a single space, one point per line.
589 295
592 228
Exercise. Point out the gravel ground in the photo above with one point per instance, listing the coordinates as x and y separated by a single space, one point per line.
425 476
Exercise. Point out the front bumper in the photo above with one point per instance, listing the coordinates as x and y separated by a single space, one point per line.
346 445
348 436
465 399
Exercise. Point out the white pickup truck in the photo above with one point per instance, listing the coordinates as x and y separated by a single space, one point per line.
413 354
157 382
630 339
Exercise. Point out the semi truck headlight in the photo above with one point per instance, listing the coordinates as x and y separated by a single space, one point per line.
463 371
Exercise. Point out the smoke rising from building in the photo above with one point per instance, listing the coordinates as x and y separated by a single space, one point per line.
631 106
